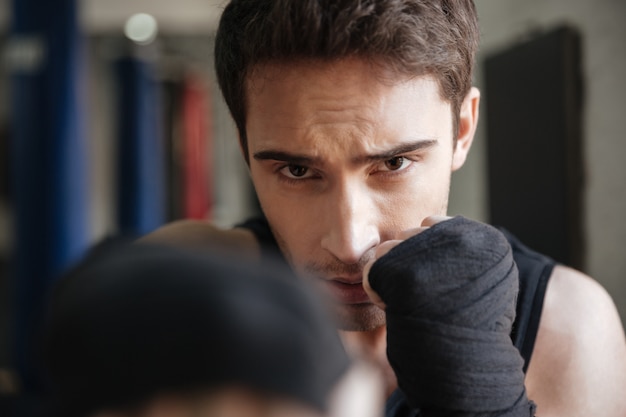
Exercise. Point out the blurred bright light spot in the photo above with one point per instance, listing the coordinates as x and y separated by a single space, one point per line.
24 54
141 28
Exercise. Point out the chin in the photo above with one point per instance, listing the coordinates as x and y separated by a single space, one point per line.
359 317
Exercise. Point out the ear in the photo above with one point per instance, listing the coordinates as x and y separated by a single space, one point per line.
468 120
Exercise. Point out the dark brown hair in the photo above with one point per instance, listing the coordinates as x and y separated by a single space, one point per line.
408 37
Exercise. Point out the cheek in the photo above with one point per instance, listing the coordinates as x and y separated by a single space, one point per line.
292 221
406 207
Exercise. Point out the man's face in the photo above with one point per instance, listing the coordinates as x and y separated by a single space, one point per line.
342 161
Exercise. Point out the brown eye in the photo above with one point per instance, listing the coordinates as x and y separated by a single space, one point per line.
297 170
395 163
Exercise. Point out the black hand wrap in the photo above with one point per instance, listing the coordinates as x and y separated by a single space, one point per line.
450 294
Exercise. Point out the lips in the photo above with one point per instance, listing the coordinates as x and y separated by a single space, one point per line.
347 291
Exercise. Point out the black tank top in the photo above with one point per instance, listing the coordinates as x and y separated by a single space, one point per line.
534 272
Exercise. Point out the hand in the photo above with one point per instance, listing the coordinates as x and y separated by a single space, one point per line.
387 245
449 292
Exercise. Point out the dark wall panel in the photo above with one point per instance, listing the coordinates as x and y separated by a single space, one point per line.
534 125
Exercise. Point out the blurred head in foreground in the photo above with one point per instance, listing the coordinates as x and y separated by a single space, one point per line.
152 331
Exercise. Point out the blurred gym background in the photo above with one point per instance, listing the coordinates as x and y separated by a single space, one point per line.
111 123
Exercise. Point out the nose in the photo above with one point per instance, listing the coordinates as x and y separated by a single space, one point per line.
351 229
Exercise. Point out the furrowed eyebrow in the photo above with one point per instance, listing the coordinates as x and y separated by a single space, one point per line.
398 150
285 157
298 159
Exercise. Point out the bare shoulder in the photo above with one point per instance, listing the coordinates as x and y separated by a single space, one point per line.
199 234
578 366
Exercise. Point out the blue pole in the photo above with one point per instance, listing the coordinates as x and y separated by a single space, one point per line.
141 161
48 165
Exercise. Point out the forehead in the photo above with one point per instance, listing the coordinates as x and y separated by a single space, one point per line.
272 70
370 75
349 99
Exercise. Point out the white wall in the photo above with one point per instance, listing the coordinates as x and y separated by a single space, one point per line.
601 23
189 17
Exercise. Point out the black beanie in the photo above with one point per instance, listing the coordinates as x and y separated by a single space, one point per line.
135 321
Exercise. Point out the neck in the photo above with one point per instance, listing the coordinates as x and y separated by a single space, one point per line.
371 346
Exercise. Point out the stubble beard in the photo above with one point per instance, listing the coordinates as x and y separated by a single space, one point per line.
359 317
348 317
